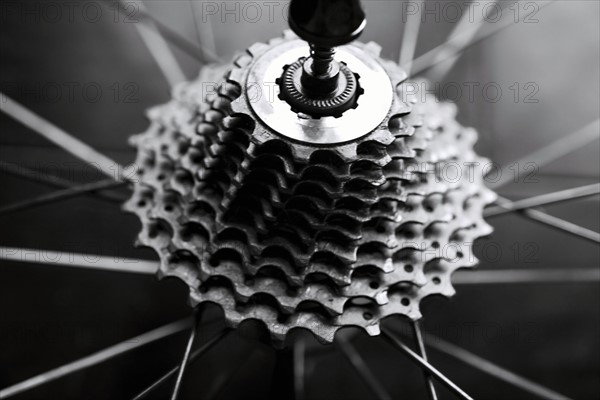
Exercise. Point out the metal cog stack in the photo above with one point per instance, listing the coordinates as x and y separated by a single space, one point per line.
304 234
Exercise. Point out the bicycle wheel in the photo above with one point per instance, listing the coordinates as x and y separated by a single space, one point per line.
526 308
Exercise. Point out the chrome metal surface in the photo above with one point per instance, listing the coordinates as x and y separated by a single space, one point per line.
373 105
327 97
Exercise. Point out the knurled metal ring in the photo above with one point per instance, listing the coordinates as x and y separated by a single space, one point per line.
345 97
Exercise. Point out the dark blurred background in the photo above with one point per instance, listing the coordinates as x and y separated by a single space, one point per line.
82 66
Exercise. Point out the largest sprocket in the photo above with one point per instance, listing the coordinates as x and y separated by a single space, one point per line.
307 235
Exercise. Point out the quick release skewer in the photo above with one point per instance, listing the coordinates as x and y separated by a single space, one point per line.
319 85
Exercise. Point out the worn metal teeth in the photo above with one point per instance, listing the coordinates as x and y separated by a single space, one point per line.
305 236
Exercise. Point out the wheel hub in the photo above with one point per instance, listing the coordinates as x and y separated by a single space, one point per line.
291 118
334 102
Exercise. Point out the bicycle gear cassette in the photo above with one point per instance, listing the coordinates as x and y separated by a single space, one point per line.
306 222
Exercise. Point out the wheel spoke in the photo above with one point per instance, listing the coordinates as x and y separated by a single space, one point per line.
158 48
423 353
175 38
60 195
61 138
462 34
204 32
424 364
97 358
50 180
558 223
563 225
410 38
78 260
492 369
193 357
357 362
553 151
186 357
510 276
299 368
504 207
34 175
456 45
